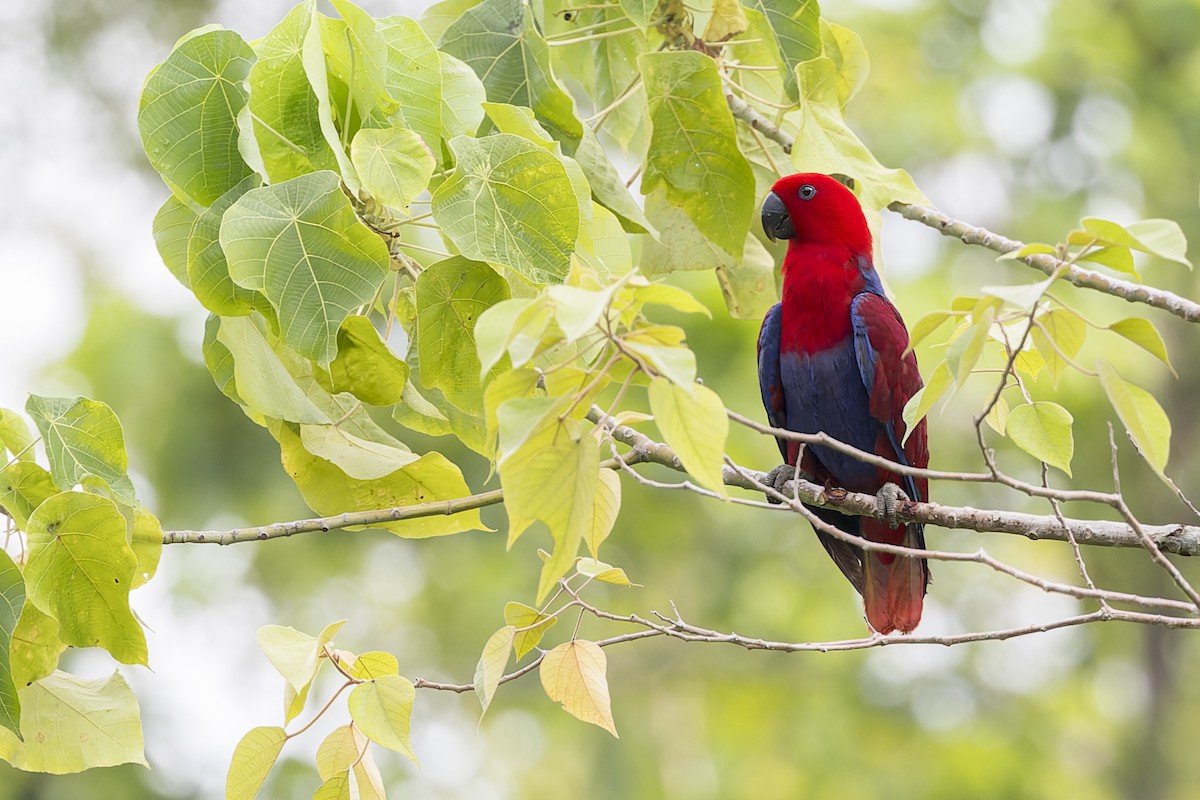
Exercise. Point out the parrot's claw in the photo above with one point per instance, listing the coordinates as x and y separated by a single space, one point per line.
778 478
888 500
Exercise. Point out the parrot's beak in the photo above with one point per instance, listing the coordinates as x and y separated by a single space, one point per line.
776 222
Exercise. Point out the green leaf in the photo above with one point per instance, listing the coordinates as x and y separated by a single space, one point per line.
824 143
382 710
693 153
72 724
925 326
574 674
1143 333
693 422
284 105
365 366
612 70
1043 429
451 295
172 229
301 244
1029 363
1024 296
1118 258
80 571
207 269
606 506
639 11
356 59
313 60
462 98
1148 425
549 472
662 347
492 662
748 284
252 759
530 624
603 572
606 184
727 21
963 353
374 664
510 201
15 436
418 414
1161 237
187 115
146 541
797 32
500 41
1059 331
12 600
394 164
845 48
35 646
23 487
413 75
261 379
997 416
920 403
82 437
328 490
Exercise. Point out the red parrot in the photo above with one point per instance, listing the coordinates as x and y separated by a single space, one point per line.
831 357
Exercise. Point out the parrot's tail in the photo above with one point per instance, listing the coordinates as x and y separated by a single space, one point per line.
893 586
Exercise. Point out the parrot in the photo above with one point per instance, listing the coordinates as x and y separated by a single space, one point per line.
833 357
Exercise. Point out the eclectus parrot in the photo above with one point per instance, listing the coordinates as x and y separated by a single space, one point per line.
831 358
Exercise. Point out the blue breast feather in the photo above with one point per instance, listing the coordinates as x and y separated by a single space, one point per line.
824 392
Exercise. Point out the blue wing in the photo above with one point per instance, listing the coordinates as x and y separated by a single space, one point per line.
769 379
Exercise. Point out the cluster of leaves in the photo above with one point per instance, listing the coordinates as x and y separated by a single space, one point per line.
380 701
81 542
412 219
1031 332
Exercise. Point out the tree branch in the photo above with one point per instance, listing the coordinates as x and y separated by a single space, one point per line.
1175 538
1172 303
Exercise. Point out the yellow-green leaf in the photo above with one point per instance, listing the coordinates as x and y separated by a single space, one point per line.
374 664
693 422
1143 333
997 416
1043 429
964 352
1059 336
80 571
338 751
394 164
1142 416
365 366
72 724
574 674
492 662
382 710
927 325
607 504
530 626
920 403
252 759
337 787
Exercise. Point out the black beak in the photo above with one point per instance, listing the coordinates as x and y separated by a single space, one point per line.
776 222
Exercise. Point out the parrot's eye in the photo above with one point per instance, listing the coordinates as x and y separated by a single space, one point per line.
808 191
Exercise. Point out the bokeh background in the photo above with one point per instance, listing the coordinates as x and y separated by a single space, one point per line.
1020 115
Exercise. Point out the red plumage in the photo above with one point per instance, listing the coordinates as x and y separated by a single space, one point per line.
832 359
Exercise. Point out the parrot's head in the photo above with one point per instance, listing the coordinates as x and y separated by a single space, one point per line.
812 208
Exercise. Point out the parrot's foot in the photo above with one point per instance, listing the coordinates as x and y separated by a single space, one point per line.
778 478
888 500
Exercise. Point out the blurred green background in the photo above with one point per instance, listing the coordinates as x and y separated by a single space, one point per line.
1019 115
